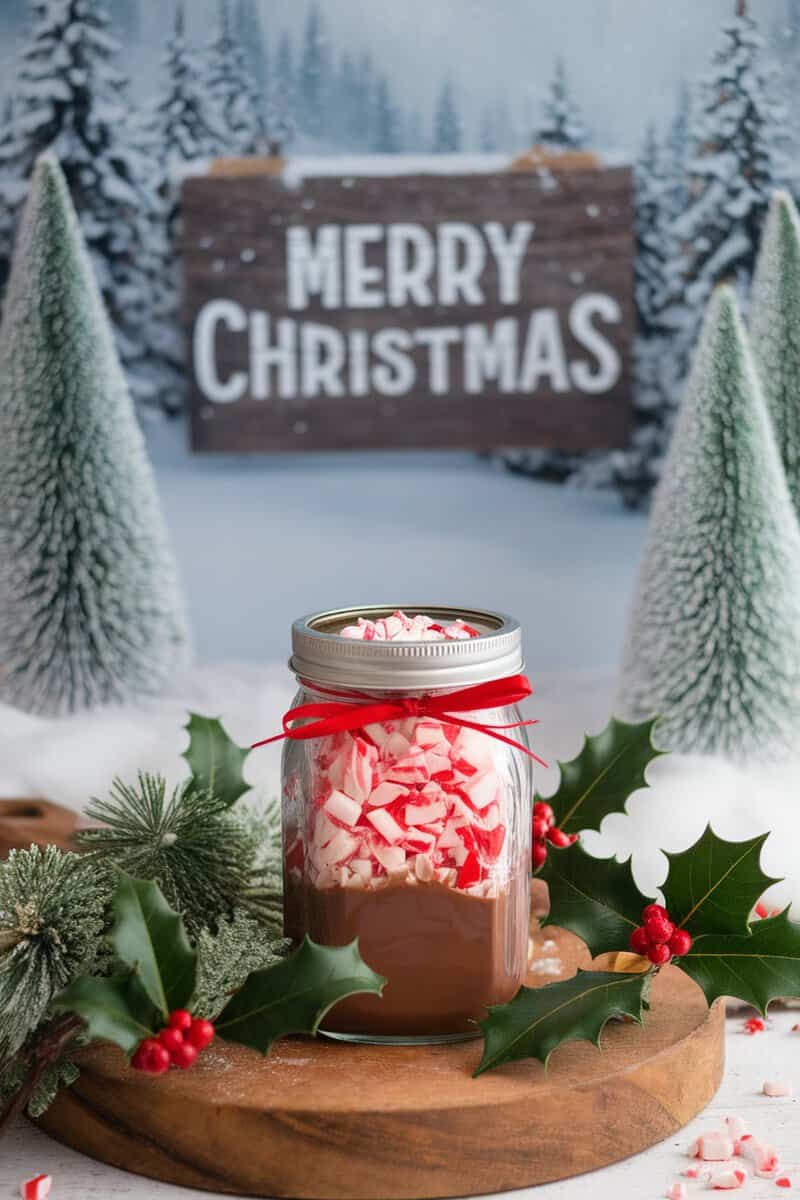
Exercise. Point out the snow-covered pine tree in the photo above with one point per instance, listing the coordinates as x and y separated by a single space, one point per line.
563 126
414 139
345 105
723 174
313 75
386 122
251 37
11 188
184 118
775 330
239 108
713 643
281 103
70 98
738 137
363 129
446 122
635 470
487 129
88 587
787 40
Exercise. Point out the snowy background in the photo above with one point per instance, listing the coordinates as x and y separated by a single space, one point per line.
626 60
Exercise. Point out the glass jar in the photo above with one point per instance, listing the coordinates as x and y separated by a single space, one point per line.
411 833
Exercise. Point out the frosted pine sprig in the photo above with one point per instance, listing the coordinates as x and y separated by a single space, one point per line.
202 857
52 917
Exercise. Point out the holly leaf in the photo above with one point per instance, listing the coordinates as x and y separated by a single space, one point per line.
595 898
712 886
756 968
215 760
116 1008
608 769
294 995
150 936
538 1020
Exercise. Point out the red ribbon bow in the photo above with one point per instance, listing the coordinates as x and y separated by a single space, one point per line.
358 709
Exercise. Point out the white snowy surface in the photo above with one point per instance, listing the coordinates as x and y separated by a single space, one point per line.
315 166
750 1060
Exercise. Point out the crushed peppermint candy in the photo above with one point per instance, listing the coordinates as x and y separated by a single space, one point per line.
778 1087
716 1146
783 1181
37 1188
399 627
676 1192
725 1181
416 799
754 1025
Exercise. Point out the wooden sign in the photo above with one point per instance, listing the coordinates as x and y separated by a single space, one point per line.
475 310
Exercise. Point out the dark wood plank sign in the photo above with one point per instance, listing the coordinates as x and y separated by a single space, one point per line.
474 310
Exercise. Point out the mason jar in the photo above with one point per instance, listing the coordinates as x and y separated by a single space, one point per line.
405 828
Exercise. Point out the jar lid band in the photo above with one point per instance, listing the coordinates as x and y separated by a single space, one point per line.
321 655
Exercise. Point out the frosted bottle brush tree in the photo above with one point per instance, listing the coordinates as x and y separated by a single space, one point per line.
775 327
88 586
714 639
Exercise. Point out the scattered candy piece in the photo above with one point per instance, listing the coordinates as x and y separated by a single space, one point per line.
691 1172
676 1192
37 1188
764 1158
754 1025
716 1146
796 1029
778 1087
736 1128
727 1180
784 1181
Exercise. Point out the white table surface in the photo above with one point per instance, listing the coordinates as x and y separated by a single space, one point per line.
750 1060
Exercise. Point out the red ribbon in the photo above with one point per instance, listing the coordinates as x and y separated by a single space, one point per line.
358 709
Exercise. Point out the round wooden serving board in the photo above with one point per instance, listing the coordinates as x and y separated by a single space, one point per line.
328 1121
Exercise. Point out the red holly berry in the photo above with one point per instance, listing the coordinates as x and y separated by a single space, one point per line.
171 1039
680 942
184 1056
658 954
654 910
639 942
539 853
659 929
200 1034
540 828
180 1019
557 837
151 1057
158 1059
139 1059
543 810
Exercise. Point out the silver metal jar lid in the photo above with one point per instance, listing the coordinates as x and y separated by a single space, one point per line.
320 655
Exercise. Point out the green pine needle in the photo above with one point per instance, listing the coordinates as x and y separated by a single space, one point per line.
52 918
225 959
202 857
